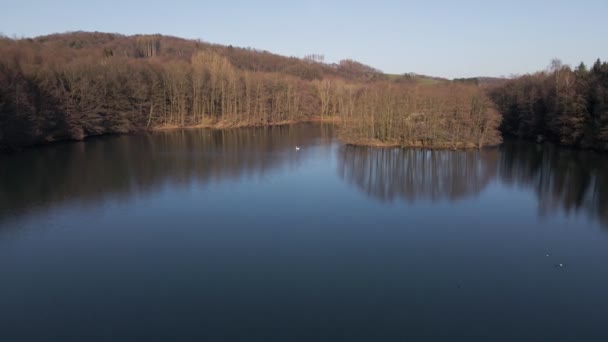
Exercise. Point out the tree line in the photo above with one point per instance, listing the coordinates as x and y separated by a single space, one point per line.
71 86
563 105
48 97
449 115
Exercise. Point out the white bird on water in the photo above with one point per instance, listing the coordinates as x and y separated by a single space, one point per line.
297 148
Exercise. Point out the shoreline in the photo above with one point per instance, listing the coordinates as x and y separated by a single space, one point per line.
223 125
229 125
8 149
373 143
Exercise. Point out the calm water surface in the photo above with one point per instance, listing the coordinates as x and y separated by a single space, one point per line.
234 235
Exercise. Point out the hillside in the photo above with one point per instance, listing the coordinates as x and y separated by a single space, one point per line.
80 84
167 47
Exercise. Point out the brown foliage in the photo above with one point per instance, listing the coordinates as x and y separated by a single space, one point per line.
70 86
443 115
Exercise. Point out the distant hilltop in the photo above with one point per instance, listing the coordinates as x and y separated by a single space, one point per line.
309 67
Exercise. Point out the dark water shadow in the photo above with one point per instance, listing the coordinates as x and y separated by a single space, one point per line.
565 180
122 166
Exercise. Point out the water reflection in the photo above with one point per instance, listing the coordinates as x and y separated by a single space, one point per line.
119 167
565 180
410 175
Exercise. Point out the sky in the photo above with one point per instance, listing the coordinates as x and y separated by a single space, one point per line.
459 38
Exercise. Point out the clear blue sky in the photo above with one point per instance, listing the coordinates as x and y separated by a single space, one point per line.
458 38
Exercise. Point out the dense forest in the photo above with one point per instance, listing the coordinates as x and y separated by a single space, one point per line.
448 115
70 86
562 105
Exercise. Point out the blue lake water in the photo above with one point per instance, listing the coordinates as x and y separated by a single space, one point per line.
235 235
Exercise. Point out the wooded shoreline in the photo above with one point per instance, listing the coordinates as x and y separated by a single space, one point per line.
76 85
327 121
224 126
70 86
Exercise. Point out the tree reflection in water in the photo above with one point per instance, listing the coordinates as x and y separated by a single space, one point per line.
568 180
412 174
118 167
564 180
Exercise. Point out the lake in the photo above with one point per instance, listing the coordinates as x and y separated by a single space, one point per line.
200 235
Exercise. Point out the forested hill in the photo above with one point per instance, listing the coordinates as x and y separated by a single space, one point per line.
311 67
74 85
562 104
